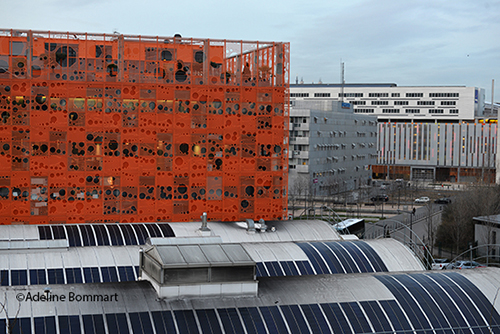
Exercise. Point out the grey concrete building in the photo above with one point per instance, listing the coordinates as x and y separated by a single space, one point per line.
331 148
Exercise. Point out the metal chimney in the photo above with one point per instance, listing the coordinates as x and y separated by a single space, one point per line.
204 222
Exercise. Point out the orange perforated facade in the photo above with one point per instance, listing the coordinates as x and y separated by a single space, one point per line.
114 128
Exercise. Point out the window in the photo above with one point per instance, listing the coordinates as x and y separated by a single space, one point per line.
436 111
448 103
453 111
378 95
400 103
380 103
443 94
412 111
394 94
358 103
299 94
414 94
364 111
321 94
390 111
425 103
351 94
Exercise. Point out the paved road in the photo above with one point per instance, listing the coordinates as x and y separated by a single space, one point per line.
423 223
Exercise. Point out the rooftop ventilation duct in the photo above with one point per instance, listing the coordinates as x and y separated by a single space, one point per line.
199 270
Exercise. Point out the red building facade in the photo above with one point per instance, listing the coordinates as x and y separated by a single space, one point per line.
113 128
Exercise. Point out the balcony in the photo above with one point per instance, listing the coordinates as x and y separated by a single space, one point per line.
302 168
299 140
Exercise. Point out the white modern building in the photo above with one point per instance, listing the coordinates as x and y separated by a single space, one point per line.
442 133
392 103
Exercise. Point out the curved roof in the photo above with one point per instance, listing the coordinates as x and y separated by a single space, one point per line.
376 303
287 230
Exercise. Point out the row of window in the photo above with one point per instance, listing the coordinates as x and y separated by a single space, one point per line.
73 275
443 95
377 95
407 111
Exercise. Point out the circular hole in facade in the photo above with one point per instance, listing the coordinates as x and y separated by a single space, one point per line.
180 76
40 98
199 57
182 189
249 190
113 145
184 148
166 55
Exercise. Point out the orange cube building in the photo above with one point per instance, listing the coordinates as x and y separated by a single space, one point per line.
113 128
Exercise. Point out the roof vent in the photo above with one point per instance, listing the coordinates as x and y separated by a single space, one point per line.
199 270
204 223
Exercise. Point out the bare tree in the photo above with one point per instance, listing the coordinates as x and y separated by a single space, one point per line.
10 323
457 228
430 227
299 190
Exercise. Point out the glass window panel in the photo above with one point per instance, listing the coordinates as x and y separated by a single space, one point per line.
359 259
332 261
293 268
126 274
4 277
101 234
186 322
18 277
336 318
69 324
91 275
163 322
395 315
273 319
305 267
58 232
87 235
45 232
37 276
20 325
208 321
230 320
315 318
411 310
56 276
116 236
74 275
154 230
74 236
270 269
128 234
252 320
117 323
317 262
343 257
277 268
261 270
372 256
93 324
166 230
141 232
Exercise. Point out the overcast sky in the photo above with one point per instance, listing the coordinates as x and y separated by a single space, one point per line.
407 42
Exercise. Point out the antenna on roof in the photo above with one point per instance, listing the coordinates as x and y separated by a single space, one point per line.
342 81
